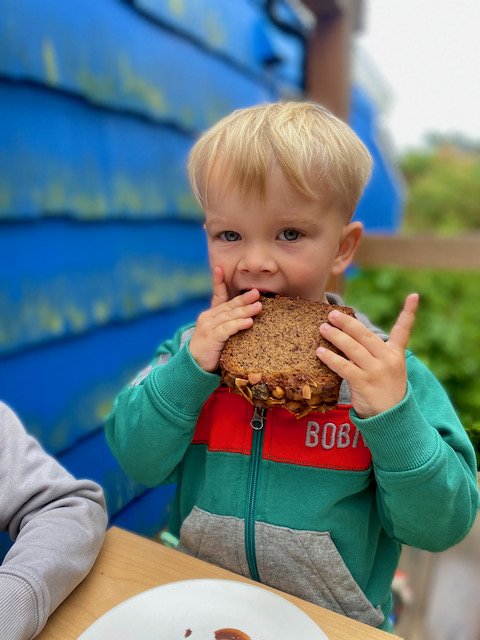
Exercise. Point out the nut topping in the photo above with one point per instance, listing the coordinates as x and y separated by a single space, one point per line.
260 391
254 378
306 392
292 405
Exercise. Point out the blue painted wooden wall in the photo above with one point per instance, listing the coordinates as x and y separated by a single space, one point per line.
381 206
102 253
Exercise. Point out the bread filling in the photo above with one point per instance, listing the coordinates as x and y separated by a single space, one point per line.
260 394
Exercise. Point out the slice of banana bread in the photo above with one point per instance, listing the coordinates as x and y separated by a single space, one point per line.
274 363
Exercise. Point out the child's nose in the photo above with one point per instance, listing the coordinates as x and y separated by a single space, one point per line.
256 260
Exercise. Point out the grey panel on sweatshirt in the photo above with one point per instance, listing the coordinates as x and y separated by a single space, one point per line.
308 565
216 539
303 563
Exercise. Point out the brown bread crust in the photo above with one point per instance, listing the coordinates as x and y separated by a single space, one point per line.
274 363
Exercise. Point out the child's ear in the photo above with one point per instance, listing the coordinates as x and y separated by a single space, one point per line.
349 241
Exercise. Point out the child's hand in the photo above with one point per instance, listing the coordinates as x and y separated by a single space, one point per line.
375 370
224 318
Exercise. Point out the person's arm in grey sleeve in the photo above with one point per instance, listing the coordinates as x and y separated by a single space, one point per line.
57 524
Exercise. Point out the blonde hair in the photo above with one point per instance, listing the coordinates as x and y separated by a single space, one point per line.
318 154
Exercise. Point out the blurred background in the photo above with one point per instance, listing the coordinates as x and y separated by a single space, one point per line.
102 254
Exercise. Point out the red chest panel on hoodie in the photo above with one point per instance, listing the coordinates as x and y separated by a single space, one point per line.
328 440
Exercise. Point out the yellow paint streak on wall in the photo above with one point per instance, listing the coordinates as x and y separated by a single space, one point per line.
126 196
49 318
77 317
138 87
217 108
199 282
103 409
216 32
82 192
101 88
137 198
101 311
50 62
63 306
154 202
186 204
91 206
54 197
177 7
5 199
59 196
152 298
187 117
158 290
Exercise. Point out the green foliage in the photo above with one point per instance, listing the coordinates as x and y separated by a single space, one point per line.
443 189
446 334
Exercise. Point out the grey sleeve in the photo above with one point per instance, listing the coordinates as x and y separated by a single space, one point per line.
57 524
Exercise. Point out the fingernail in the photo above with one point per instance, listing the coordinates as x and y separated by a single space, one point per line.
334 315
325 326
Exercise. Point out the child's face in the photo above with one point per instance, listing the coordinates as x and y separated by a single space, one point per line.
288 244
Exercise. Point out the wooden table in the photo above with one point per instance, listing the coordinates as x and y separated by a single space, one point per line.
129 564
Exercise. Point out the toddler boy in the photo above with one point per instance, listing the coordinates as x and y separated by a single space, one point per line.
296 504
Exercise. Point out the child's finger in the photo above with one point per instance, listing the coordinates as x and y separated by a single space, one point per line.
220 293
236 309
352 337
402 329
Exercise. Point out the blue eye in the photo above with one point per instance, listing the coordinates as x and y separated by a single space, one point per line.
289 234
230 236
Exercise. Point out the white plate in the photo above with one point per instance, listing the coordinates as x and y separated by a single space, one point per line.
204 606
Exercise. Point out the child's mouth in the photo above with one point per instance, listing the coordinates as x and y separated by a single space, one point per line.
265 294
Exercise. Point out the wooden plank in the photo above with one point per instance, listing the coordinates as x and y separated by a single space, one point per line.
222 27
328 62
241 32
111 56
72 383
420 252
87 163
59 279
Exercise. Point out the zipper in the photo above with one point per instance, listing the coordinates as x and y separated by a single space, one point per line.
257 423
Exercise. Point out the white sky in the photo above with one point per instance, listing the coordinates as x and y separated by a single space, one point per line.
428 52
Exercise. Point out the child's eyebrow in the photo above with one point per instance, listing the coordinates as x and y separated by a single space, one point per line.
214 221
296 220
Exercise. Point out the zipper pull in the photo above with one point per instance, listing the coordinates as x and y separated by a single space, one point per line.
258 419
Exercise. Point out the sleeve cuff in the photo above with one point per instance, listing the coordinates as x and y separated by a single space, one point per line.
20 614
399 439
181 384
